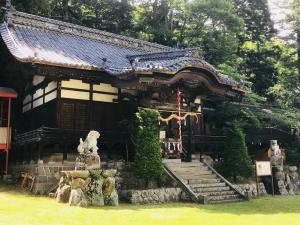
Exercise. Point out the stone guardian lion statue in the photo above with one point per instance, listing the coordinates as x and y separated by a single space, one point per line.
90 144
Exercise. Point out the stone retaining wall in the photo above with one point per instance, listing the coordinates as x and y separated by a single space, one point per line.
252 189
152 196
47 175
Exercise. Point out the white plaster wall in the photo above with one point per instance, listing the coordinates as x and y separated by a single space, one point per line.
38 93
37 79
78 84
75 94
37 102
105 88
51 86
50 96
104 97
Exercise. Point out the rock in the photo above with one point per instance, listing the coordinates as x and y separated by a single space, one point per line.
52 195
113 199
78 183
79 174
293 168
92 161
109 173
95 174
108 186
109 192
94 193
281 188
279 176
78 198
63 193
62 182
87 162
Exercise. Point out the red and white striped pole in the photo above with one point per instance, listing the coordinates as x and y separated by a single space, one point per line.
179 121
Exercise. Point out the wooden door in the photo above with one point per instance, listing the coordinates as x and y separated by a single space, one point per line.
67 115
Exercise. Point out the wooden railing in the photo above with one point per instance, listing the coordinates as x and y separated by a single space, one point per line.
57 135
206 139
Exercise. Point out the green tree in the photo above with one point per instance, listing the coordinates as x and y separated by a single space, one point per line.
285 91
148 160
294 20
159 21
256 15
109 15
258 58
213 26
236 159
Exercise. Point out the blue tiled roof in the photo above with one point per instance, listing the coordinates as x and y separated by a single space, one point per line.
40 40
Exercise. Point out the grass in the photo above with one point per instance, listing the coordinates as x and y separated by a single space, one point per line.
17 208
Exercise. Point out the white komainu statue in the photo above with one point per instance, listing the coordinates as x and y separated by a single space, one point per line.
90 143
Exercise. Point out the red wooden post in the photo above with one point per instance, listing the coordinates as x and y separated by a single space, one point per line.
7 135
1 114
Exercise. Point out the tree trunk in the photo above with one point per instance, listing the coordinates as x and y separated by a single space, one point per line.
65 10
298 52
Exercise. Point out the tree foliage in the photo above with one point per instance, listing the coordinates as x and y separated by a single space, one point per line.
236 159
148 159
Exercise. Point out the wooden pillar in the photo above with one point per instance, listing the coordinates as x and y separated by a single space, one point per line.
65 153
58 105
90 109
7 136
40 150
190 147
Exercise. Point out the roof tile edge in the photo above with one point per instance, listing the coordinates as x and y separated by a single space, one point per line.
24 19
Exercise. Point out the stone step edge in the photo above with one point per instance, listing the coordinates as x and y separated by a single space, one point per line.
237 200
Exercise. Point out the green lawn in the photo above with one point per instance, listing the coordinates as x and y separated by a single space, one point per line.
17 208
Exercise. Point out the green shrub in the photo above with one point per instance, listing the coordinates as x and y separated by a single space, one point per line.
236 158
148 160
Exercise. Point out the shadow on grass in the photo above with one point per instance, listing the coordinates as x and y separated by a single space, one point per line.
261 206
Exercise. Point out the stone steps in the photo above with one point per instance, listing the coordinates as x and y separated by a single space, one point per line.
185 164
220 184
211 189
197 176
216 193
223 197
189 171
203 182
226 201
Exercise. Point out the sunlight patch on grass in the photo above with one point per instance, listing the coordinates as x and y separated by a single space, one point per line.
17 209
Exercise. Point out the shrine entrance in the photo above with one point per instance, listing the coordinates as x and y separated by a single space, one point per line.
6 94
180 118
177 124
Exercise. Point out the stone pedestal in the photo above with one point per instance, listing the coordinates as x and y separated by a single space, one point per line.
87 162
278 175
